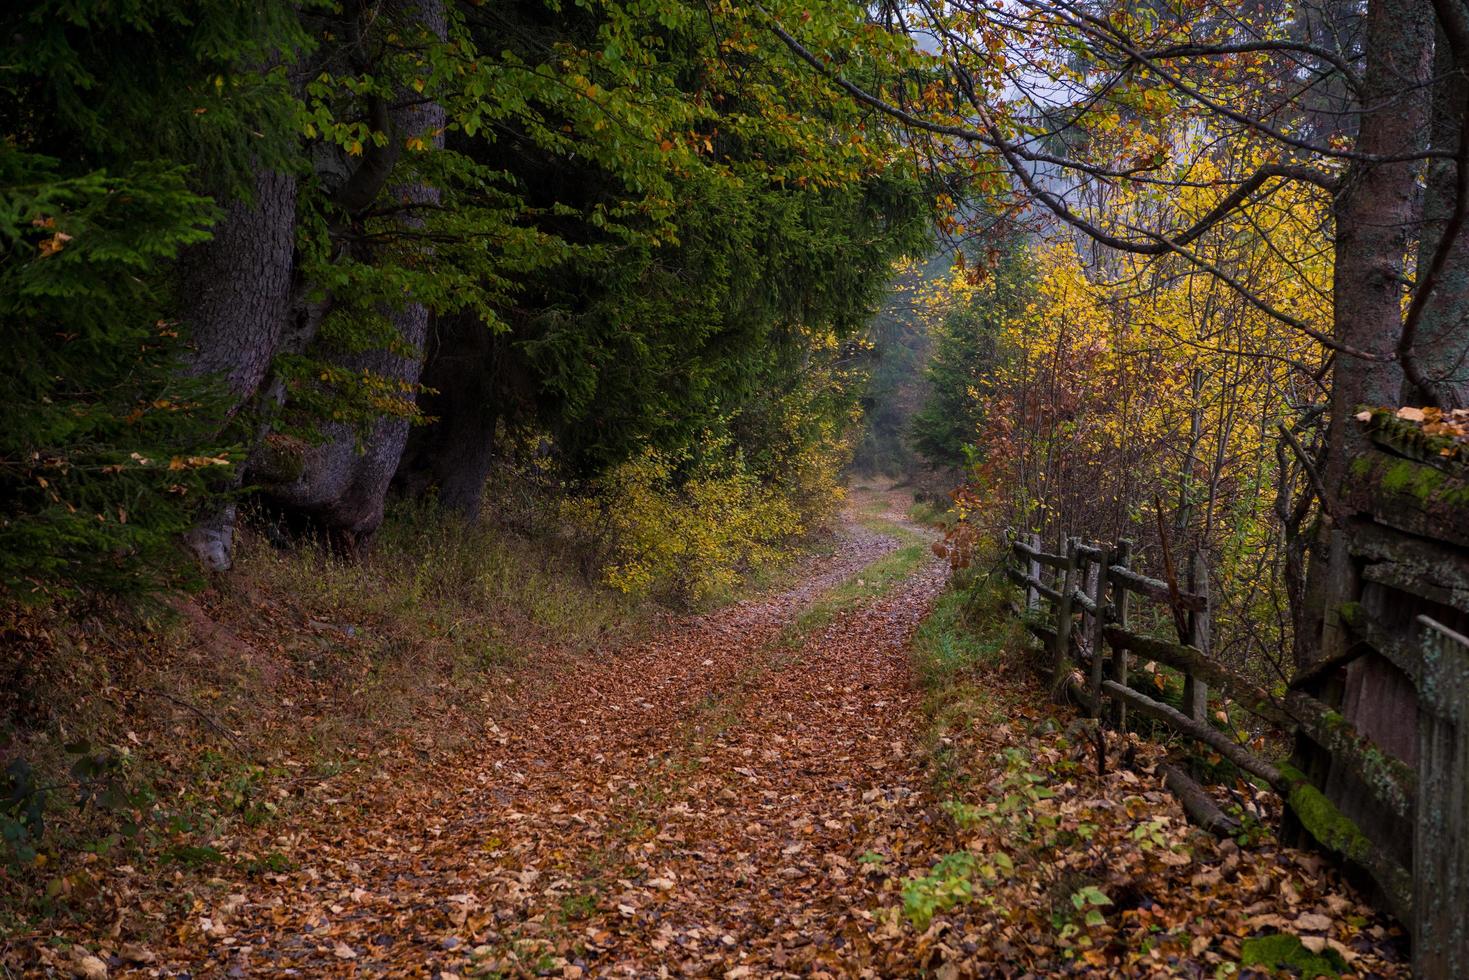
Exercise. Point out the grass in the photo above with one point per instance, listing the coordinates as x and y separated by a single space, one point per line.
930 515
872 582
965 636
230 707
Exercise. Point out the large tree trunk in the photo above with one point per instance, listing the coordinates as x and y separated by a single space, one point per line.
237 288
1376 213
1439 352
453 455
342 486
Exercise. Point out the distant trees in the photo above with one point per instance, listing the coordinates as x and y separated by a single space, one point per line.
240 240
967 351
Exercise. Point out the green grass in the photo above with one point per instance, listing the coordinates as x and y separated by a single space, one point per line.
964 636
930 515
872 582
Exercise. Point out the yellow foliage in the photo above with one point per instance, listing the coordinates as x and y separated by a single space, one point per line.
1133 382
695 537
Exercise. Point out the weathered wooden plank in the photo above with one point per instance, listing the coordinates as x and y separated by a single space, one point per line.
1198 804
1032 584
1420 558
1060 653
1034 553
1097 602
1441 834
1155 589
1387 778
1406 657
1195 687
1090 553
1402 578
1210 736
1336 832
1185 658
1033 569
1120 602
1410 495
1042 632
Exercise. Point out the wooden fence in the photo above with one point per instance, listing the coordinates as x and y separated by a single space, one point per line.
1081 601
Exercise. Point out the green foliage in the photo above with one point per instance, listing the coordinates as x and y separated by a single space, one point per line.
672 226
105 85
104 444
968 345
113 115
948 884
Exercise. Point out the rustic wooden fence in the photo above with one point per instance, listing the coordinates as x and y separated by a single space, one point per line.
1081 601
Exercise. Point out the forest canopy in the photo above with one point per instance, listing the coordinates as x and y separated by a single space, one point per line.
302 254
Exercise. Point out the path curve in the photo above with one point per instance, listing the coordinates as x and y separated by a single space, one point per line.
698 805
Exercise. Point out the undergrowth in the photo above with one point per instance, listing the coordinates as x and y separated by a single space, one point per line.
963 638
144 736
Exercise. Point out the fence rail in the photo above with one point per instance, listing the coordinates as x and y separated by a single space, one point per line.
1084 618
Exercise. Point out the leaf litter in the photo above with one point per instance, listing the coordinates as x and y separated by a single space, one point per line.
735 798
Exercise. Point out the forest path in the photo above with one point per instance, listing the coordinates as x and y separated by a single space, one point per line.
696 805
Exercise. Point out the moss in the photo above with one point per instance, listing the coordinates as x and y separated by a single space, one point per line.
1322 819
1283 951
1427 483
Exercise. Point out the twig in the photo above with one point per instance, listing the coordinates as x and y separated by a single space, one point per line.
197 711
1327 503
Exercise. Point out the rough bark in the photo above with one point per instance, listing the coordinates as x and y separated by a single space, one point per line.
1375 213
237 288
1439 351
343 480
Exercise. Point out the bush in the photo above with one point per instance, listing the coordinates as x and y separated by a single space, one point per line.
683 529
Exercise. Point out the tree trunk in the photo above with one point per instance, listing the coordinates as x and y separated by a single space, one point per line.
1440 344
454 453
340 487
237 288
1375 214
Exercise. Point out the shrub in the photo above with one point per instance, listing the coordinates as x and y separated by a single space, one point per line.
685 529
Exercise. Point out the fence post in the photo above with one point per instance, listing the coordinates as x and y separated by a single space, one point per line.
1033 571
1098 593
1009 554
1195 691
1120 600
1063 619
1441 834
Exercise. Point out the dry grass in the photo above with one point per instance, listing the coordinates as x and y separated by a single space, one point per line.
296 666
